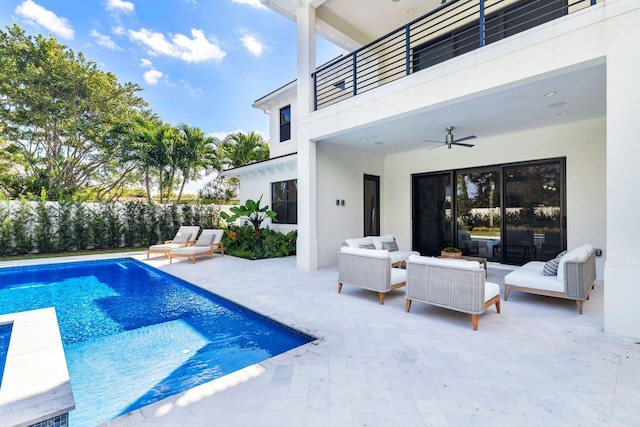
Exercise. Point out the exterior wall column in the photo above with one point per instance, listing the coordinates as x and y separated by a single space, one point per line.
307 245
622 267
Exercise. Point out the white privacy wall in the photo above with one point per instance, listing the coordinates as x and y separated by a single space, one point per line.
582 143
340 176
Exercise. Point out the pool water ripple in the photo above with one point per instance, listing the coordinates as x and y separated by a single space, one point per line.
133 335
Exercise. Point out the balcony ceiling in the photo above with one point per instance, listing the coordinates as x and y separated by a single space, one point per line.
549 100
351 24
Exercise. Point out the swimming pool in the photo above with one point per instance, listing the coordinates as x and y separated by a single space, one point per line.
5 336
134 335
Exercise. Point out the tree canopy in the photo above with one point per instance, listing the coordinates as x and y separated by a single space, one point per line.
69 130
61 118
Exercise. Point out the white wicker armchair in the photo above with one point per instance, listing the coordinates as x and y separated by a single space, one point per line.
369 269
455 284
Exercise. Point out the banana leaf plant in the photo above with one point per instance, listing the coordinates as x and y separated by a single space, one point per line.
252 211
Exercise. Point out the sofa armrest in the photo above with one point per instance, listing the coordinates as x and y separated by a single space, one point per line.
579 276
370 272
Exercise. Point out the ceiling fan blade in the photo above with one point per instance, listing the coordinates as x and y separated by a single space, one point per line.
435 146
462 144
465 138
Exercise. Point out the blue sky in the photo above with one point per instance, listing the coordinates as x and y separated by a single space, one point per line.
201 62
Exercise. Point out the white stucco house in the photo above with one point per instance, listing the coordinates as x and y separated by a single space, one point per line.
546 92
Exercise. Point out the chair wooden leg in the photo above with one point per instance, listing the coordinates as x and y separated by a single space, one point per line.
170 259
579 303
474 321
498 305
507 289
381 297
408 304
339 287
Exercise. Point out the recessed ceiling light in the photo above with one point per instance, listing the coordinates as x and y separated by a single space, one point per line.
410 10
563 113
364 138
394 147
551 93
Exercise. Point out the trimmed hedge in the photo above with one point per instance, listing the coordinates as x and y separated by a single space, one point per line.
52 227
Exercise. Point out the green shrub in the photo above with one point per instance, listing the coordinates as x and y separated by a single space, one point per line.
244 242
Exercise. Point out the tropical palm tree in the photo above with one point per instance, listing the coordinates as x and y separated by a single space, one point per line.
240 149
196 153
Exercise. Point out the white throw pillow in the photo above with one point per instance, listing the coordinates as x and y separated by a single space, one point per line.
355 243
377 240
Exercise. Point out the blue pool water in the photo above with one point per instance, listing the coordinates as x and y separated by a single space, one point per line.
5 336
134 335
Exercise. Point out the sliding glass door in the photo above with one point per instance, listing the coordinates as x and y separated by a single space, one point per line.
478 214
533 206
512 213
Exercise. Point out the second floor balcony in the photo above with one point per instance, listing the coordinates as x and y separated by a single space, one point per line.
454 28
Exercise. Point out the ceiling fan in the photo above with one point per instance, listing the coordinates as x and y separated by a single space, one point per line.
449 141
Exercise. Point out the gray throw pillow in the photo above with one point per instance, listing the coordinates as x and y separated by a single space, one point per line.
368 246
551 267
390 246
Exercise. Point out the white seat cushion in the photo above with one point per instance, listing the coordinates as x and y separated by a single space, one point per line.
533 278
398 275
445 262
374 253
490 290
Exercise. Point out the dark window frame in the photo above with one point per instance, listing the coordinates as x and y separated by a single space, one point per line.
285 123
287 207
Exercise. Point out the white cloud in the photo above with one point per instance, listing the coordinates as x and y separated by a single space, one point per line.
38 15
152 76
252 3
195 49
252 44
145 63
118 31
120 6
104 40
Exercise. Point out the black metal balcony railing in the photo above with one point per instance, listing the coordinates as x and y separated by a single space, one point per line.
457 27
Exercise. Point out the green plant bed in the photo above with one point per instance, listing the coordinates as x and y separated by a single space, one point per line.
245 242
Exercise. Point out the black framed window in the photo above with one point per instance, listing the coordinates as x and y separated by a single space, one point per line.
284 201
285 123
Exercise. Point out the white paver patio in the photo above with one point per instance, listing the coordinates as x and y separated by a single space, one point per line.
538 363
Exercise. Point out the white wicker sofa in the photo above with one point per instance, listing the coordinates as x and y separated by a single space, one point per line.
576 275
369 269
386 242
450 283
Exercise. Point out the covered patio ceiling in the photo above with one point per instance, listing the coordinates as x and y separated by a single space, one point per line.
562 97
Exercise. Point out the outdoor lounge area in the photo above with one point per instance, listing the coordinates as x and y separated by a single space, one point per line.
537 363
